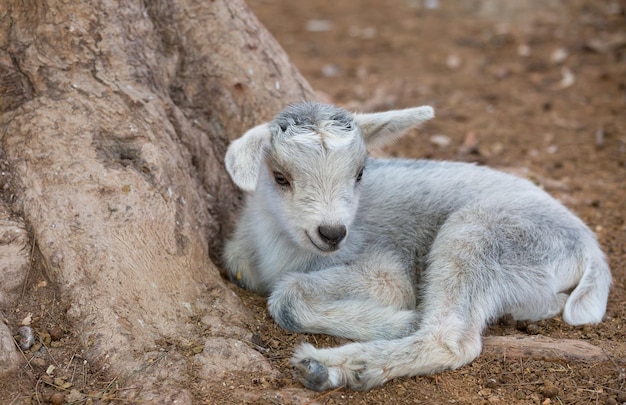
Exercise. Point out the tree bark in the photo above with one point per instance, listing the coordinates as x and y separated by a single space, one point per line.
114 119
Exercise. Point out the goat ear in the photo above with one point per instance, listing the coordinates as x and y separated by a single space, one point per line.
244 155
384 127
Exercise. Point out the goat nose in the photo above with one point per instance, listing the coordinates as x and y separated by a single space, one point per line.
332 234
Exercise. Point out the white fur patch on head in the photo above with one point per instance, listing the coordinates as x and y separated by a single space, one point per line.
316 126
327 134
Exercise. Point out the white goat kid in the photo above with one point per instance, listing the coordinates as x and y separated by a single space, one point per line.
413 258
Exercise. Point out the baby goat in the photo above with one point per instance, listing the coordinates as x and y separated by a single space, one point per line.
413 258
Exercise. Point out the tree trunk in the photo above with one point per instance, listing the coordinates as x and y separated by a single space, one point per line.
114 119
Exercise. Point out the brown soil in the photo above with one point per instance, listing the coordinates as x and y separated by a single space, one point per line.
536 87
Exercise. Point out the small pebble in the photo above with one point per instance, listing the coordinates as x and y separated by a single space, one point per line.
318 25
599 137
46 379
57 398
492 384
568 78
453 62
75 396
27 320
50 369
331 70
508 321
532 329
38 362
470 143
45 338
440 140
524 50
549 391
26 337
56 333
558 56
431 4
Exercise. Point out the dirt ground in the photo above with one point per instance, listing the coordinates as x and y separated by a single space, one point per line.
534 87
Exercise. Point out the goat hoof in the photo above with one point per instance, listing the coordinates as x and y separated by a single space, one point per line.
314 374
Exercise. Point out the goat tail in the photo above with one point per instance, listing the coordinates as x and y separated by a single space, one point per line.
587 303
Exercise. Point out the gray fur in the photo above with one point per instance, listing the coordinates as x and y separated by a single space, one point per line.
433 252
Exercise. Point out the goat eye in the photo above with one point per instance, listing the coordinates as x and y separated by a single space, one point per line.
359 175
280 179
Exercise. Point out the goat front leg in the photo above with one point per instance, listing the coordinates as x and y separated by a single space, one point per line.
366 300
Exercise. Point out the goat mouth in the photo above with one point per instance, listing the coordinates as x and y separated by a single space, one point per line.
325 249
